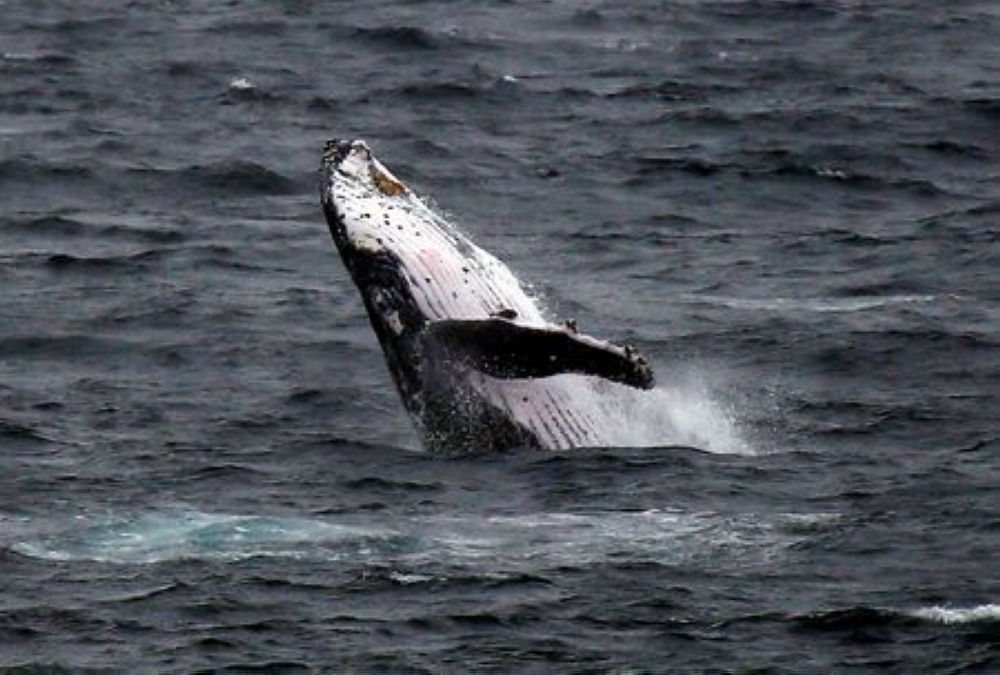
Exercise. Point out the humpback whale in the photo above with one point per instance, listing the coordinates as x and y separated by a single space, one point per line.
476 362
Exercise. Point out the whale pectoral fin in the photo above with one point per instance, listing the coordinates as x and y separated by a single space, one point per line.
505 349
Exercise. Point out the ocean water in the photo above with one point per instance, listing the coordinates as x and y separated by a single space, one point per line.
792 207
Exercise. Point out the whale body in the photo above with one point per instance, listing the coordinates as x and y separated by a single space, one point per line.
476 362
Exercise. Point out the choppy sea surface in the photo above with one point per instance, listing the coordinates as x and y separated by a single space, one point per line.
792 207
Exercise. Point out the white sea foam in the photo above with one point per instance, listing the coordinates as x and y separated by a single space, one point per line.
686 414
481 542
194 535
682 411
241 84
957 615
18 56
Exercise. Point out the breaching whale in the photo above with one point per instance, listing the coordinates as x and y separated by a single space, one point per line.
475 361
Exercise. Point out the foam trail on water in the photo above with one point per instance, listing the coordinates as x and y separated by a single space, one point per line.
459 540
156 537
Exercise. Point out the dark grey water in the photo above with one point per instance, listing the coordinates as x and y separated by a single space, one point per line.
793 207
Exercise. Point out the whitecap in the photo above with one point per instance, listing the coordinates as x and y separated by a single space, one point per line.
241 84
817 305
829 172
957 615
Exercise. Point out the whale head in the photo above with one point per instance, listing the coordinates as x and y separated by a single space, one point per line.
375 218
368 211
358 194
411 266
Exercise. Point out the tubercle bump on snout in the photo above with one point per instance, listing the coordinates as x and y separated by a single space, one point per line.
330 150
336 150
333 154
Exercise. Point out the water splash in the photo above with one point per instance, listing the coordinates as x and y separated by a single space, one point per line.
684 412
